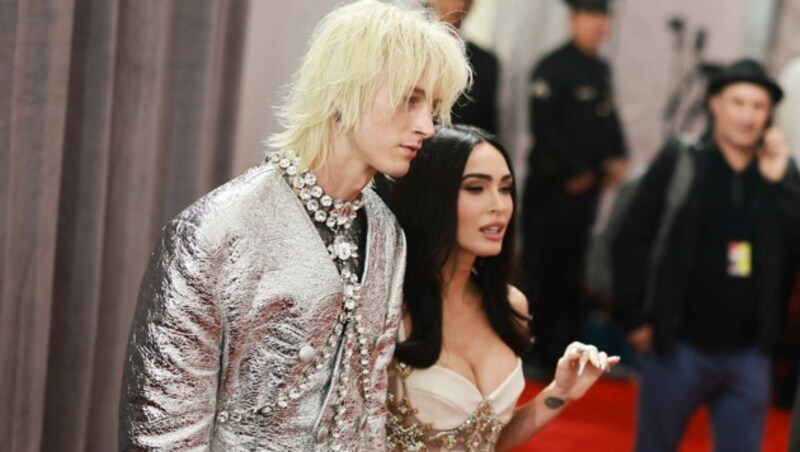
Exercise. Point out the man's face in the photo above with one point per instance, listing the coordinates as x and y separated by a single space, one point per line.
387 138
741 112
452 11
589 29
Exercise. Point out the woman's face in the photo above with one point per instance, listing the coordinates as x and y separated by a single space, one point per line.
484 202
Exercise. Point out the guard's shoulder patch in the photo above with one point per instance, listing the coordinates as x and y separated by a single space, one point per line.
540 88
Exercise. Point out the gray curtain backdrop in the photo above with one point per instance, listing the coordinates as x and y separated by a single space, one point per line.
114 115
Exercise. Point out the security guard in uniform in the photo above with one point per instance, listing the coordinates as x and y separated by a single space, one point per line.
578 149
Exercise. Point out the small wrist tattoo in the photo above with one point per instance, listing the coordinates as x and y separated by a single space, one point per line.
553 403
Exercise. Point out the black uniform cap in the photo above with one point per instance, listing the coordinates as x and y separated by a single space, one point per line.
592 6
745 70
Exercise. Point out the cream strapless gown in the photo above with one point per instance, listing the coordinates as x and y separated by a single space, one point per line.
439 409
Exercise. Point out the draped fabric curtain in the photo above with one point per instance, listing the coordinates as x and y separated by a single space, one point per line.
114 115
786 37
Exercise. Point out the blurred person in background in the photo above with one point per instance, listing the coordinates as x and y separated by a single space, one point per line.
579 149
267 317
478 107
706 312
788 119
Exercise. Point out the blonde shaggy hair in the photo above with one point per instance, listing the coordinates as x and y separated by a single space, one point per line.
353 49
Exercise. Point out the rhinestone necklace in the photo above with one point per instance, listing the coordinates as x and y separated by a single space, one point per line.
338 217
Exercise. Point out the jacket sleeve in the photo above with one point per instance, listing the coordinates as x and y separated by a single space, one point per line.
790 208
171 373
632 247
620 147
493 81
547 97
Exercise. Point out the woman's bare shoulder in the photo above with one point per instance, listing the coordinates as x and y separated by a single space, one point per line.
518 300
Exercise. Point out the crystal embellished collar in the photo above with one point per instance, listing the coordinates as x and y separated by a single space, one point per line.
335 213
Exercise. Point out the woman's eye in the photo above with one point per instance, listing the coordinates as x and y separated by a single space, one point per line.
505 189
474 189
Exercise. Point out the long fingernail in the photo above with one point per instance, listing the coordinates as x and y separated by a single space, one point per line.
581 367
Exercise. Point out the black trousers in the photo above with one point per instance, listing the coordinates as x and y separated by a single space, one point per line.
556 237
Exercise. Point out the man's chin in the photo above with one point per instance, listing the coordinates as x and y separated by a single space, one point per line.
744 143
396 171
748 144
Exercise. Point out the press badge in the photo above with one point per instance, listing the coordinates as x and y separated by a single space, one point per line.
740 259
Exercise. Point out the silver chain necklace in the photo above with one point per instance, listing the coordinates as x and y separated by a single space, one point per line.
338 216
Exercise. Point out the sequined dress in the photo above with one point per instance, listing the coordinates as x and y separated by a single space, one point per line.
253 333
438 409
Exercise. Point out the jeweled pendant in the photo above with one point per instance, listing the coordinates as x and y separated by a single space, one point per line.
342 248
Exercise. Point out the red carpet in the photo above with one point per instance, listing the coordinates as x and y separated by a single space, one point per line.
604 420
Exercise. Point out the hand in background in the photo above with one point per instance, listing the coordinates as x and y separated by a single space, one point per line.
581 183
641 338
773 156
615 169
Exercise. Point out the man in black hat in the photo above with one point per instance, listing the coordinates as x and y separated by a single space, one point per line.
716 294
579 148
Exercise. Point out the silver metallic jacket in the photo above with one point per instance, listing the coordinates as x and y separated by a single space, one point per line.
239 298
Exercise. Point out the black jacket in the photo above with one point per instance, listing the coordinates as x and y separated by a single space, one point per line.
479 106
776 254
574 120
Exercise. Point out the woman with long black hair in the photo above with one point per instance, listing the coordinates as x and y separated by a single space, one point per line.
457 373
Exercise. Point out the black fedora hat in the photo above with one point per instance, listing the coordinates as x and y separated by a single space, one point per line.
593 6
745 71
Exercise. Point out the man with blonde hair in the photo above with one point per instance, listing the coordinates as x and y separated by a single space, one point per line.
267 316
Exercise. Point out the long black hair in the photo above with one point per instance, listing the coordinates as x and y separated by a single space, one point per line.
425 202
